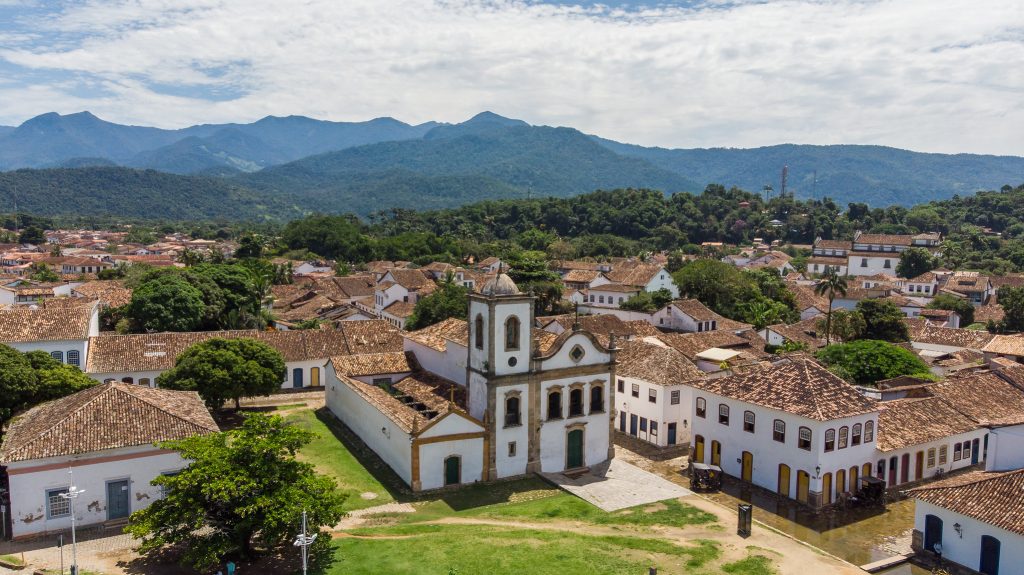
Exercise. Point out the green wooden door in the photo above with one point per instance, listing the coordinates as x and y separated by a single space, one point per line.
574 457
452 471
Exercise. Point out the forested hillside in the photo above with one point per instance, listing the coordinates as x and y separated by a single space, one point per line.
123 192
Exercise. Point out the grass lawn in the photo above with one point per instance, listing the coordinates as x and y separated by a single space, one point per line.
331 457
473 549
11 559
753 565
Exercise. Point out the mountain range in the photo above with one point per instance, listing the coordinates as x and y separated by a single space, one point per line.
362 167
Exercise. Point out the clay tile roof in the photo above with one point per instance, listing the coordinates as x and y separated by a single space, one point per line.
637 275
1010 280
146 351
695 309
990 311
581 276
438 335
1006 344
886 239
906 422
984 397
833 244
806 298
921 332
544 341
353 286
574 265
990 497
797 333
431 390
654 363
371 336
925 278
106 416
21 323
110 293
400 309
690 344
641 328
410 279
798 386
616 287
828 260
365 364
291 344
324 343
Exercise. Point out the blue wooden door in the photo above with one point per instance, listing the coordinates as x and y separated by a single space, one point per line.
672 433
632 425
297 377
118 499
989 555
932 532
974 452
622 422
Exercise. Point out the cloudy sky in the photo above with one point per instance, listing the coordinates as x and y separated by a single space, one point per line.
928 75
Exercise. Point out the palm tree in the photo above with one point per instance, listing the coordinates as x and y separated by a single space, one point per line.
831 284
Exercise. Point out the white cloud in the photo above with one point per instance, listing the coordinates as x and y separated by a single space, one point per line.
909 73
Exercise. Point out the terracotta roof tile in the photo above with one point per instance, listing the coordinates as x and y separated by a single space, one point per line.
21 323
991 497
655 363
985 397
1006 344
371 336
798 386
365 364
906 422
954 337
110 293
436 336
107 416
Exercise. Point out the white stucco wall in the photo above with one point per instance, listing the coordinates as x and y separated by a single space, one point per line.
516 465
502 312
875 265
432 456
554 432
449 364
929 472
63 346
28 490
662 411
1005 448
966 549
380 433
663 279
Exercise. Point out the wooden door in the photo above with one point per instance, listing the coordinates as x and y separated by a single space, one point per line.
632 424
698 449
672 433
574 449
905 468
840 483
783 480
803 486
314 376
622 422
989 564
747 471
932 532
452 470
119 503
716 453
919 466
297 377
854 479
974 452
826 489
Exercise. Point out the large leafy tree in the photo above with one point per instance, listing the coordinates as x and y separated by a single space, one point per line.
529 269
868 361
1012 300
883 320
32 235
648 301
718 285
226 369
829 286
846 325
448 301
950 302
28 379
243 491
914 262
167 302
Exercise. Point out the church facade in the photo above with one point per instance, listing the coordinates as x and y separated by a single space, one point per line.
514 400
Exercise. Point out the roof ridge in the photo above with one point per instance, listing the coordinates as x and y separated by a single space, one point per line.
984 476
129 389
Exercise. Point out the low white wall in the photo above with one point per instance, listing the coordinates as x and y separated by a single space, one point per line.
965 549
28 490
432 456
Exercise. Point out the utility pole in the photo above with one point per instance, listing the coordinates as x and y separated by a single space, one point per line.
70 496
304 541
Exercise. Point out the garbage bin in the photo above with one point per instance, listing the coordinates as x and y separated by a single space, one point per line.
746 518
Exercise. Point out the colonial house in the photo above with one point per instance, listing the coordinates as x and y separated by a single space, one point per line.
1006 346
528 401
867 254
397 293
652 399
808 303
829 255
793 428
105 435
626 279
692 316
141 358
803 333
63 332
972 286
925 285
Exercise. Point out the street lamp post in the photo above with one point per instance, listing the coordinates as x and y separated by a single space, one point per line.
71 495
304 541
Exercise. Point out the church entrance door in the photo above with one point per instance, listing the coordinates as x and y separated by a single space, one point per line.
574 449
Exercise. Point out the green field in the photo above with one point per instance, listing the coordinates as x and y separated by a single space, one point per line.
505 528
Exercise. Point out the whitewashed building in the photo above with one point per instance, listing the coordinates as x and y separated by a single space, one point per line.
527 401
63 332
105 435
793 428
653 399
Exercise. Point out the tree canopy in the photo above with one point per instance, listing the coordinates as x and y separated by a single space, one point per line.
962 307
882 320
28 379
243 491
448 301
914 262
868 361
226 369
168 302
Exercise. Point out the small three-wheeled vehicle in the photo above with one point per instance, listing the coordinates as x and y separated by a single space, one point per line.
705 477
870 494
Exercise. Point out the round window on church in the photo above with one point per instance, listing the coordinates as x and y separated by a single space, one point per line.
512 361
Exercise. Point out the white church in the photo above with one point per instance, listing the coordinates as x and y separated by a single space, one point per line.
481 400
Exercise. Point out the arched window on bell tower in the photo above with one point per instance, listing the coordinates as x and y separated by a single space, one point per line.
512 333
478 332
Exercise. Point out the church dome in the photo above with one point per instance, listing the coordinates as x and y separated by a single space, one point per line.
500 284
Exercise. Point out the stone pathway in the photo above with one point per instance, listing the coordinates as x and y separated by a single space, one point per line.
617 485
358 517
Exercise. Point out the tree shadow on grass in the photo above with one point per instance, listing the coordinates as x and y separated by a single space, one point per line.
282 560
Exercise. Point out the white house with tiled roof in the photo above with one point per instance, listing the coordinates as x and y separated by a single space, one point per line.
106 435
486 400
653 400
793 428
63 332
